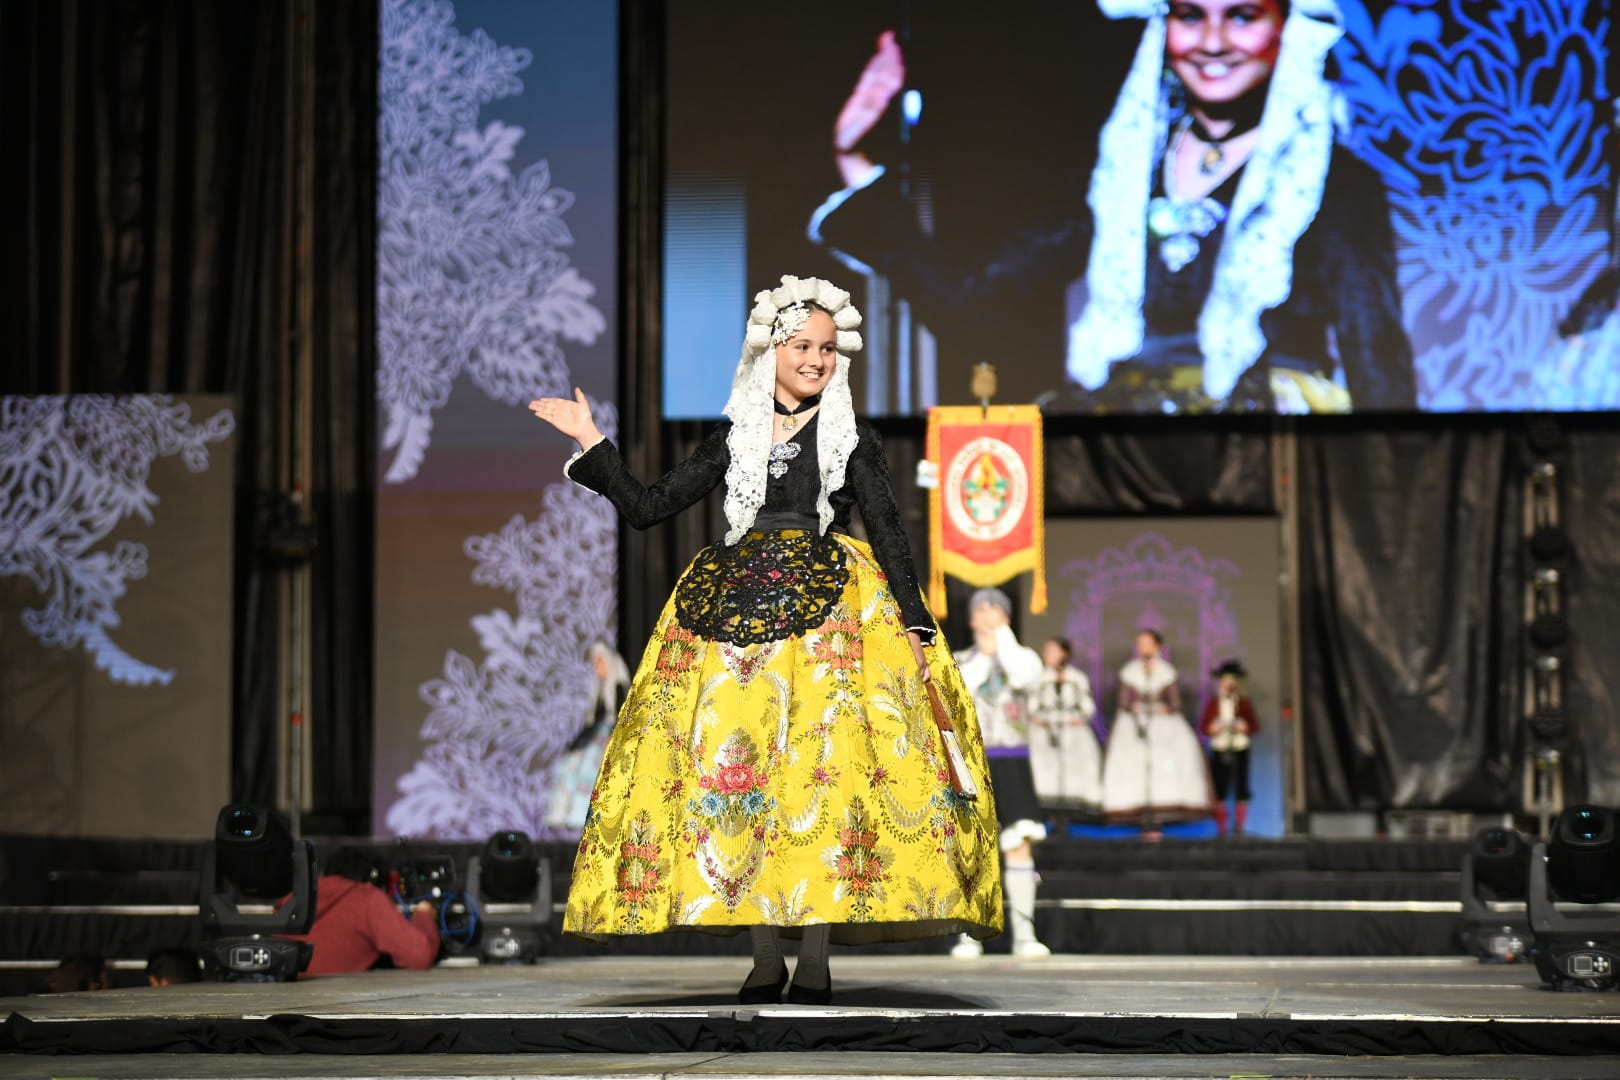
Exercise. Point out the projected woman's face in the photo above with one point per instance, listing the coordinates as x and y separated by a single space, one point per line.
1223 50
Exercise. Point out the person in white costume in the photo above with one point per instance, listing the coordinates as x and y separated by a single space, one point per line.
1000 672
574 775
1064 754
1154 768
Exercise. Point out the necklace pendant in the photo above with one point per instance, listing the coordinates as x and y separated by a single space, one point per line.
790 422
1211 160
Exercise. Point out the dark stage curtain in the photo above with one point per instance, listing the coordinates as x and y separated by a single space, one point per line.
1591 516
1411 612
1182 465
344 437
149 216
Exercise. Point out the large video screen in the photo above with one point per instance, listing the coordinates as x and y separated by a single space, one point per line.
1131 207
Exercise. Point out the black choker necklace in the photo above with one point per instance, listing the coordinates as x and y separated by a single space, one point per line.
1214 153
804 406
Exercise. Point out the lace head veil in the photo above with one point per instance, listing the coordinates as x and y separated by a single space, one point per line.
777 314
1276 200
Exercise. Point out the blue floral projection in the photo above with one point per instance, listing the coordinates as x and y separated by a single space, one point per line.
1485 121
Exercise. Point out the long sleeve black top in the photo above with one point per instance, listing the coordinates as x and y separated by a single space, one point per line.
790 499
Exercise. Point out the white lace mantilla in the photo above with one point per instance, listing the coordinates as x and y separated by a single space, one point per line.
753 390
1277 199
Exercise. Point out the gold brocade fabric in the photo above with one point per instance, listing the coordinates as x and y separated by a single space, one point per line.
790 782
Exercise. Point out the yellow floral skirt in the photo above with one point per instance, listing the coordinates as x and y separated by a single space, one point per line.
788 783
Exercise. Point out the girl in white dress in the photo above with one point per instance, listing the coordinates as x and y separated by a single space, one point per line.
1154 769
1064 753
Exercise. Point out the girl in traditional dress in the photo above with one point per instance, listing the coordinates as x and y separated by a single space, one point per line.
1153 771
777 764
1064 754
573 776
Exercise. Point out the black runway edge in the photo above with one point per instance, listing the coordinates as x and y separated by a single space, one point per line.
774 1031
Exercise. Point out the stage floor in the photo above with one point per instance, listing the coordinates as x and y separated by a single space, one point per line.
591 1012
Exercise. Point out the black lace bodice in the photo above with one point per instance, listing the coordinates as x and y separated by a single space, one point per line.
790 499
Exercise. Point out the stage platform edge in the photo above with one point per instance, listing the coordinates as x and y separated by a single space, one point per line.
1060 1005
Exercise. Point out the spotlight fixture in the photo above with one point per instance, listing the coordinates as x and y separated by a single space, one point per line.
511 886
1578 944
509 870
1495 880
255 858
1583 856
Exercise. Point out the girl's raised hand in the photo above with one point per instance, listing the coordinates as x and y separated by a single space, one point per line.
572 418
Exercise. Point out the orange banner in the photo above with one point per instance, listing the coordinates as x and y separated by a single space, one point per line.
987 513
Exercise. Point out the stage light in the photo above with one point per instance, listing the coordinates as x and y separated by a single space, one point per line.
511 891
1501 864
254 857
1577 949
1583 856
509 870
1495 879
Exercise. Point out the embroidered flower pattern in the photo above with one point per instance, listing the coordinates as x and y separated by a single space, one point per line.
641 870
736 791
775 793
679 652
857 864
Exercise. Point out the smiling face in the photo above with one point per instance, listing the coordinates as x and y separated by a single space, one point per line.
806 361
1223 50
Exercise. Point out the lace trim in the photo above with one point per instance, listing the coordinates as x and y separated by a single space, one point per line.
568 466
750 410
767 587
1276 200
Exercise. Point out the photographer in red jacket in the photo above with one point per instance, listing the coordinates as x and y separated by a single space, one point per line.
357 924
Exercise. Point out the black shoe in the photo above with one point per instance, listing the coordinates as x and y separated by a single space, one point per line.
799 994
763 990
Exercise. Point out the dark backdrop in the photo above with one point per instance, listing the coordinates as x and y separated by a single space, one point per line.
149 227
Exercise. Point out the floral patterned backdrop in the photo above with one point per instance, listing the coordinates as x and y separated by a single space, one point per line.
488 275
1487 122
